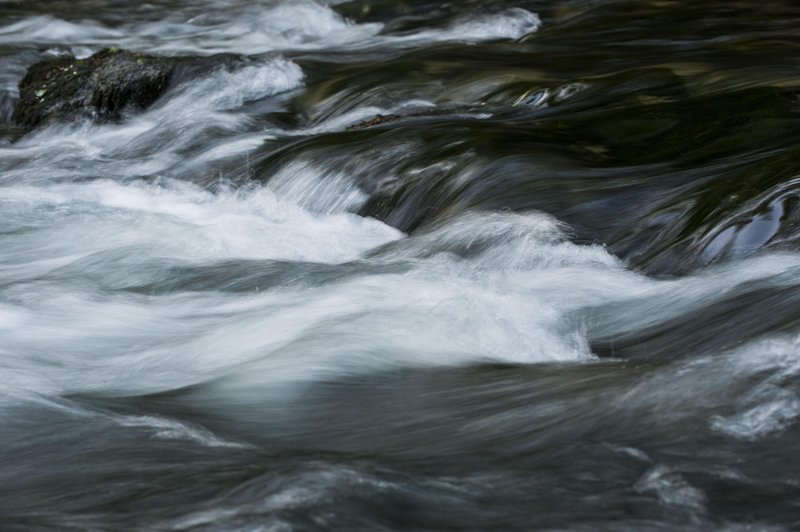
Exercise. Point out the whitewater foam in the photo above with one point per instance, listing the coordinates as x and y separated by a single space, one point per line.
512 23
156 142
257 28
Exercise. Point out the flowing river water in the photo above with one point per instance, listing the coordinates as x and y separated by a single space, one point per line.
556 286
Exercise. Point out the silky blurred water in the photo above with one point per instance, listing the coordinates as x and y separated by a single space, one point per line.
557 288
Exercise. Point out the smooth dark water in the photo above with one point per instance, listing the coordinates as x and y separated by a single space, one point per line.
556 287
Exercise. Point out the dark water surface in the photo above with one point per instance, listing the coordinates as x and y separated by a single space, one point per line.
556 286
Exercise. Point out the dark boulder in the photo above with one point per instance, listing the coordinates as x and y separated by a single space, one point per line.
100 86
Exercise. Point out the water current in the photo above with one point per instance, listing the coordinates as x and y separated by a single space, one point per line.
555 286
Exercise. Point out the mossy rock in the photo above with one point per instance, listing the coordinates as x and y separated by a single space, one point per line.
101 86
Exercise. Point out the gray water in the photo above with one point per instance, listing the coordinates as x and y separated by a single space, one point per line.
580 311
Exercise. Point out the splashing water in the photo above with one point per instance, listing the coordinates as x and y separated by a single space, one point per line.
515 300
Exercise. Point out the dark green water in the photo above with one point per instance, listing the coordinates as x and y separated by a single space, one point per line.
554 286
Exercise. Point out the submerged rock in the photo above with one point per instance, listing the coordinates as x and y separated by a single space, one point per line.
100 86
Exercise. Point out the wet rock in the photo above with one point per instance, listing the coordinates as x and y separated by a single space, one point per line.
374 121
100 86
382 10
